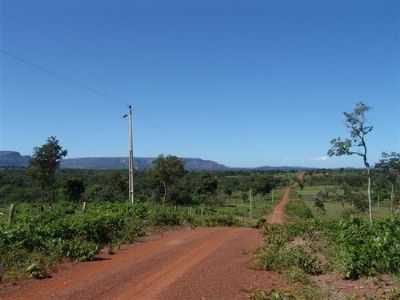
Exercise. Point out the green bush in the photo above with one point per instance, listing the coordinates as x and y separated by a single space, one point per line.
366 249
218 220
279 254
63 231
166 216
271 295
78 250
275 258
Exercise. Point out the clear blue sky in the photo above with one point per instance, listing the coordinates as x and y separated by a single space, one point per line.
245 83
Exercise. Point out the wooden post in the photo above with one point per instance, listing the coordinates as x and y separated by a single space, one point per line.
11 214
250 203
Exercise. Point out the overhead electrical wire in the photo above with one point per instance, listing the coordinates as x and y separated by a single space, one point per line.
51 73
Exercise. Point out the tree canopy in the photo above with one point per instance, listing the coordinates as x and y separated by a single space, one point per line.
45 161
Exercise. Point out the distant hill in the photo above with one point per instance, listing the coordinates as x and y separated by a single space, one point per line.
282 168
141 163
15 159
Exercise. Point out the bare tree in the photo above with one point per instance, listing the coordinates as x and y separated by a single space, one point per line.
356 144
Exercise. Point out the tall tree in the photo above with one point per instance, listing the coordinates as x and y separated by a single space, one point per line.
390 164
44 164
355 145
167 170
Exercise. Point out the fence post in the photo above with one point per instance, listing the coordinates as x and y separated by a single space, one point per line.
11 214
251 203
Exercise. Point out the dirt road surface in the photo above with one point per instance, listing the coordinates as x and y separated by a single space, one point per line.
185 264
278 214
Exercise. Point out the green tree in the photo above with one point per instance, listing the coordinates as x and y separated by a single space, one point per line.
208 185
167 171
356 144
74 188
44 164
118 185
390 165
262 185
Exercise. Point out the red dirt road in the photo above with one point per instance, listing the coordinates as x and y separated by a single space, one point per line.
278 214
204 264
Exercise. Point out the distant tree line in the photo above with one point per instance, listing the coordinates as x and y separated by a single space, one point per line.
166 182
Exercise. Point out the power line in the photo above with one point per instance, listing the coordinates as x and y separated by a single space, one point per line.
53 74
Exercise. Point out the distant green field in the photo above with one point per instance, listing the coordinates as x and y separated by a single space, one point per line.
335 209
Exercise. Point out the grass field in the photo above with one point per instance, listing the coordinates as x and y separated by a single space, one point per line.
335 209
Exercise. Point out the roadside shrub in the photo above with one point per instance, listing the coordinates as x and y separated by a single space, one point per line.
218 220
271 295
279 254
37 271
63 231
281 258
166 216
78 250
366 249
296 275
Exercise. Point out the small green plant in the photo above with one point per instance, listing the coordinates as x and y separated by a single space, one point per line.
37 271
296 275
271 295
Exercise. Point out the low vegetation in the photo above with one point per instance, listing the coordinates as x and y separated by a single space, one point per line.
40 235
338 241
366 250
